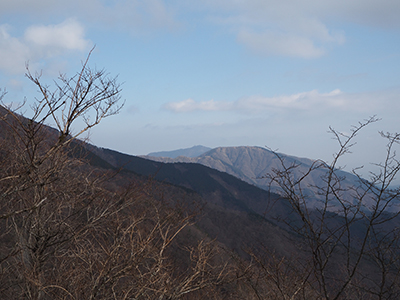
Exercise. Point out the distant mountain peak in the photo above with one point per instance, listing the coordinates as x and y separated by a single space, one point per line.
251 164
188 152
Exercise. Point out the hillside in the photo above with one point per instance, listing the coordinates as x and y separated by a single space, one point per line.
78 221
246 163
252 164
73 226
225 198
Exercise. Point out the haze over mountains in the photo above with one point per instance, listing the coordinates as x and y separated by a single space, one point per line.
245 162
188 152
253 164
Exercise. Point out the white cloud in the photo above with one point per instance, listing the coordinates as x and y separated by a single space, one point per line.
13 52
190 105
39 42
259 104
312 102
68 35
303 29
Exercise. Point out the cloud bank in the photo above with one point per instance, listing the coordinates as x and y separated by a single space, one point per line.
313 102
257 104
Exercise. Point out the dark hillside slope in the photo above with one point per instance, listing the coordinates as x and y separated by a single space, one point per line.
69 230
206 181
234 210
121 220
238 214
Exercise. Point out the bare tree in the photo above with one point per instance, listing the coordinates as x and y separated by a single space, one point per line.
41 190
350 240
129 254
71 231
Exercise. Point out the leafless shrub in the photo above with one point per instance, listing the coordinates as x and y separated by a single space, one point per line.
351 243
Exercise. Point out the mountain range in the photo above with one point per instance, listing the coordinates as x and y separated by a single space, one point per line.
187 152
234 212
235 206
254 164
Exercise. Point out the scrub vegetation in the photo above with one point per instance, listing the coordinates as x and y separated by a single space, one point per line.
75 224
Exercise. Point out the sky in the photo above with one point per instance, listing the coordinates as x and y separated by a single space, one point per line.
268 73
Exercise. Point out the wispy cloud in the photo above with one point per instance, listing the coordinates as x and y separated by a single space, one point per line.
256 104
305 29
300 101
293 28
313 101
190 105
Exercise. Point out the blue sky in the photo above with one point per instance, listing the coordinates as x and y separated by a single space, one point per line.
273 73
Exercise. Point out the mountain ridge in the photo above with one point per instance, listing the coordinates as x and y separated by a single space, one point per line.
251 209
253 164
188 152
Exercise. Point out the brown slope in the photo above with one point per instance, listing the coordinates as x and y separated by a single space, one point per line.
234 211
238 214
